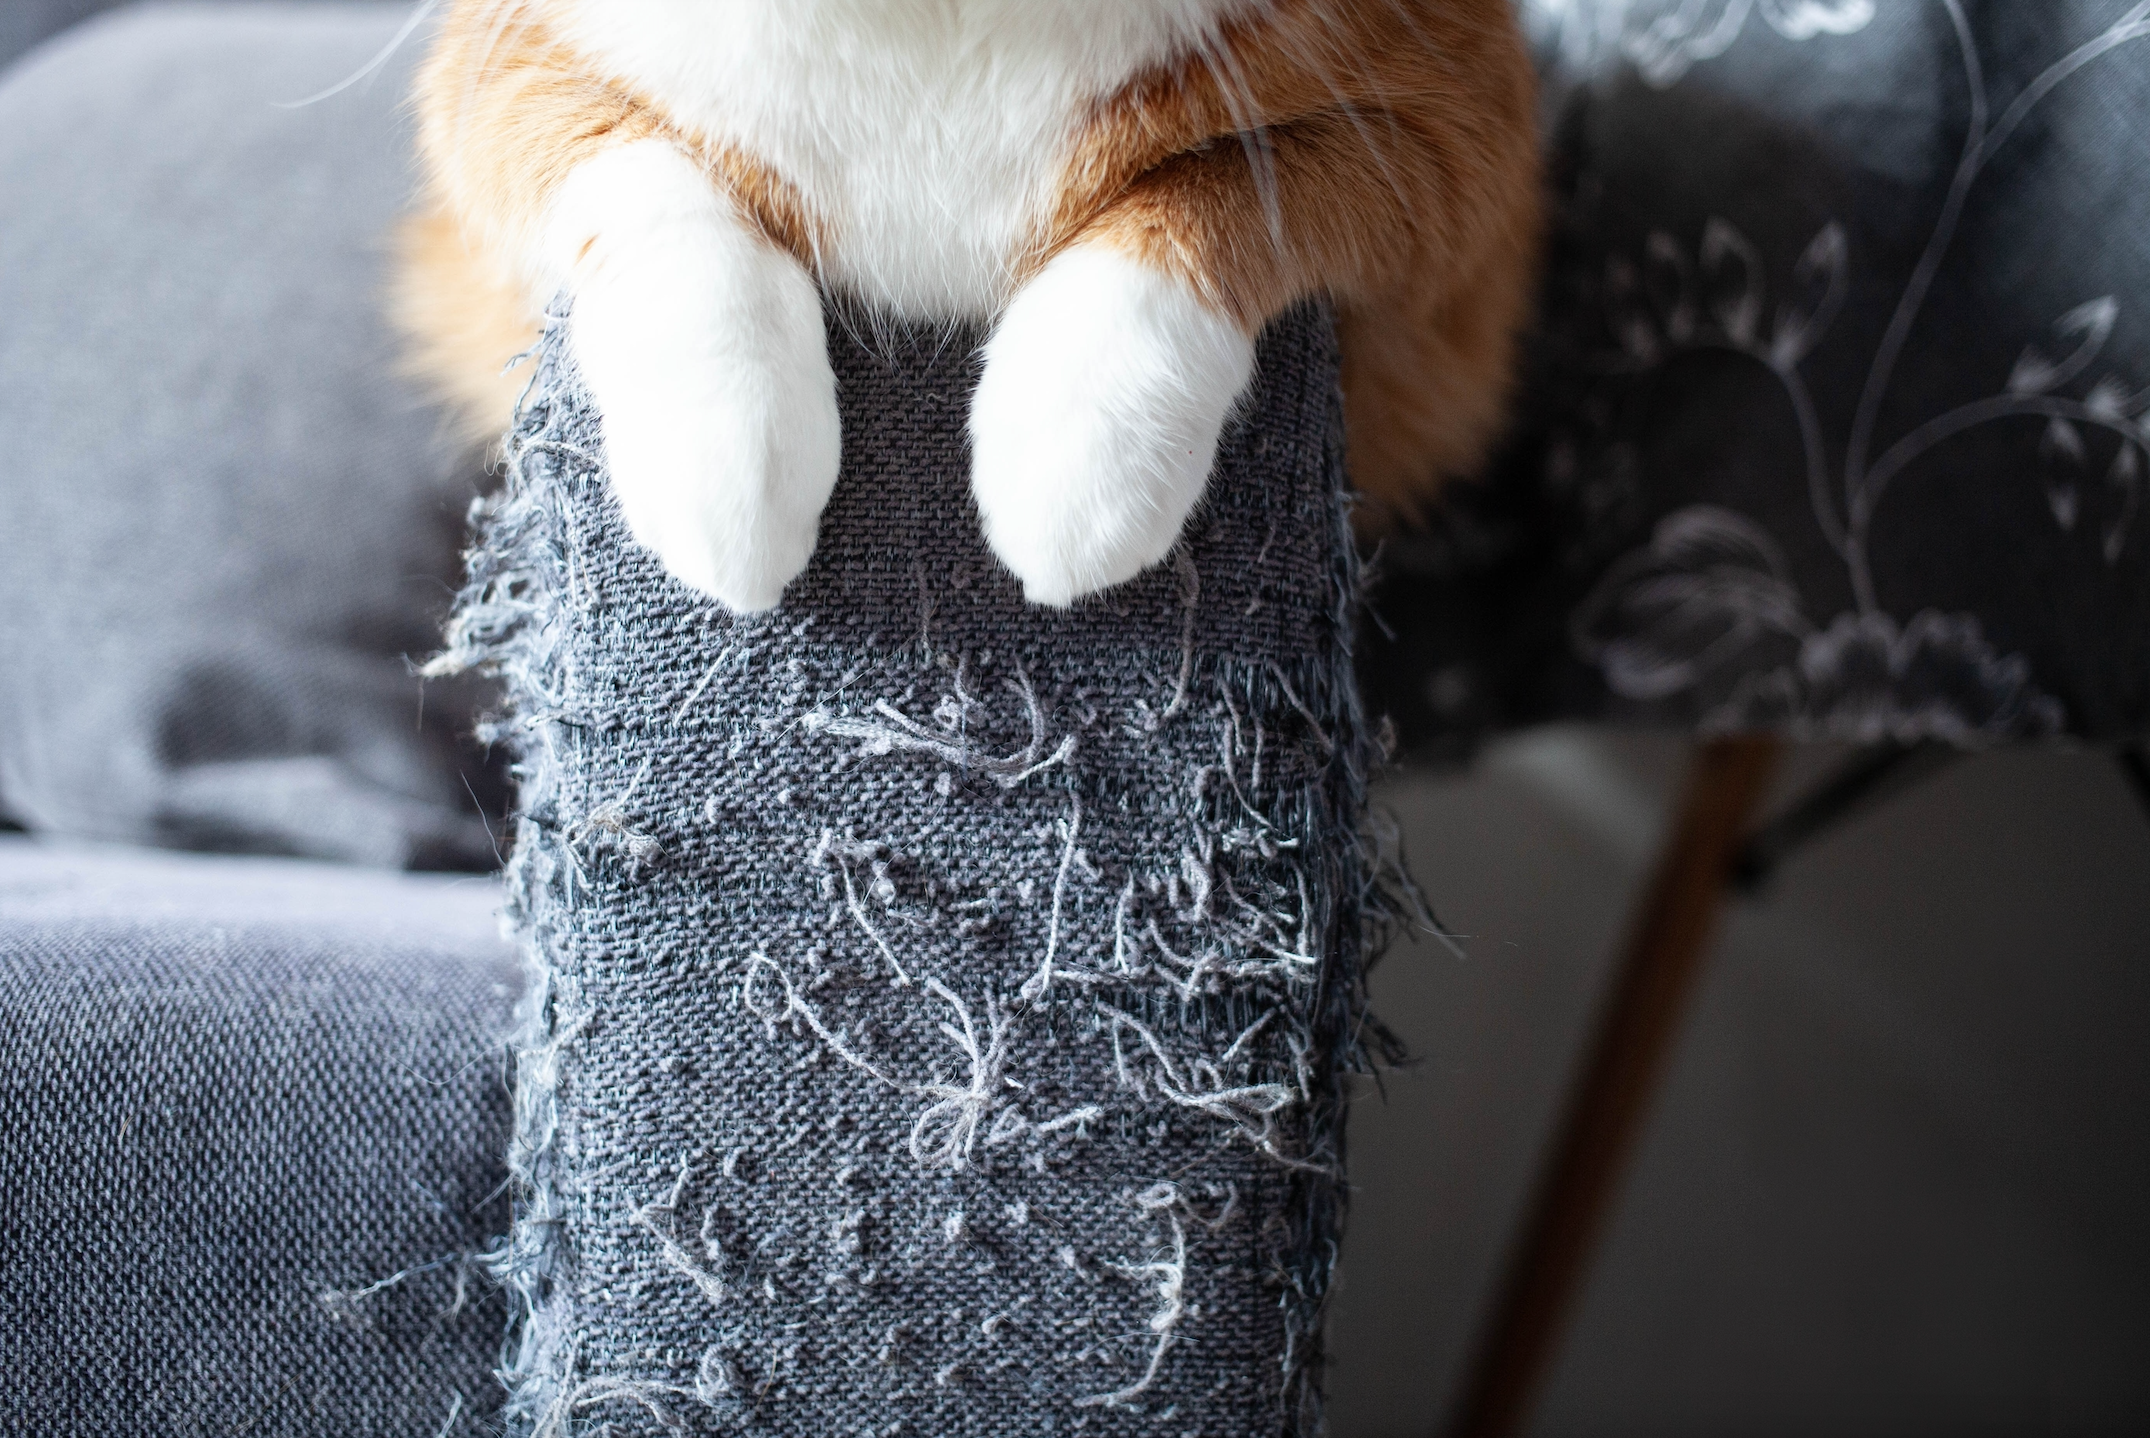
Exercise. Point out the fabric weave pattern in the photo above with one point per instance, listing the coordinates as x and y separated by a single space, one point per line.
252 1114
946 1001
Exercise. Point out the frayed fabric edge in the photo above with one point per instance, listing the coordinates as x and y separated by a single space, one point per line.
509 622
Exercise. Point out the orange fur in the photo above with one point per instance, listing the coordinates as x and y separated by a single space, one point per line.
1377 152
1396 173
465 320
505 113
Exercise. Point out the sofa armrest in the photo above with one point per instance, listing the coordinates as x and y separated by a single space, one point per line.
947 1000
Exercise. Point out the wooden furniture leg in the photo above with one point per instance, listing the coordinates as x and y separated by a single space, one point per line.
1635 1032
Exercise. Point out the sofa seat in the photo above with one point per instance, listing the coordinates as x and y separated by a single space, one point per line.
253 1115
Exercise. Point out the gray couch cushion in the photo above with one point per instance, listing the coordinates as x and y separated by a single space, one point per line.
222 522
25 22
235 1094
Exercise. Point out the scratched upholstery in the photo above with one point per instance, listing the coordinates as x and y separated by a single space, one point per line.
1684 532
949 1000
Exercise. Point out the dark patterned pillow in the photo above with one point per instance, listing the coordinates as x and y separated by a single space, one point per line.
1835 423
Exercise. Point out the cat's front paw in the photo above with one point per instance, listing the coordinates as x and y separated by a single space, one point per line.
1095 423
723 448
722 469
705 350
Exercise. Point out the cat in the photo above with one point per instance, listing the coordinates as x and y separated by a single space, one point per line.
1125 190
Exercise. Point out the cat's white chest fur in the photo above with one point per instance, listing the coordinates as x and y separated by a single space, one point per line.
926 136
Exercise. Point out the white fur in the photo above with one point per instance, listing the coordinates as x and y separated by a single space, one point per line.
926 137
1096 422
703 346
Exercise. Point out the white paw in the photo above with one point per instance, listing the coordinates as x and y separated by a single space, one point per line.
704 348
1096 421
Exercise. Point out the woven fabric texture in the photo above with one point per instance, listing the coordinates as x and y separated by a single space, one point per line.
225 520
947 1002
253 1115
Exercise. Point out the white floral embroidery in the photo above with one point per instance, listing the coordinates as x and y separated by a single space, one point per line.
1664 39
1708 610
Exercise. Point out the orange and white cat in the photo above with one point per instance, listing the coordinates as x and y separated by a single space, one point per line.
1127 190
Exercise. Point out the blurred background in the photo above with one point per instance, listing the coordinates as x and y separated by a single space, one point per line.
1898 1177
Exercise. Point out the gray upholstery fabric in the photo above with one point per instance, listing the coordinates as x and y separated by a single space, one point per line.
948 1000
25 22
222 521
235 1094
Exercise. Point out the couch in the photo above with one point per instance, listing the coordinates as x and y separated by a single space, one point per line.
265 1095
